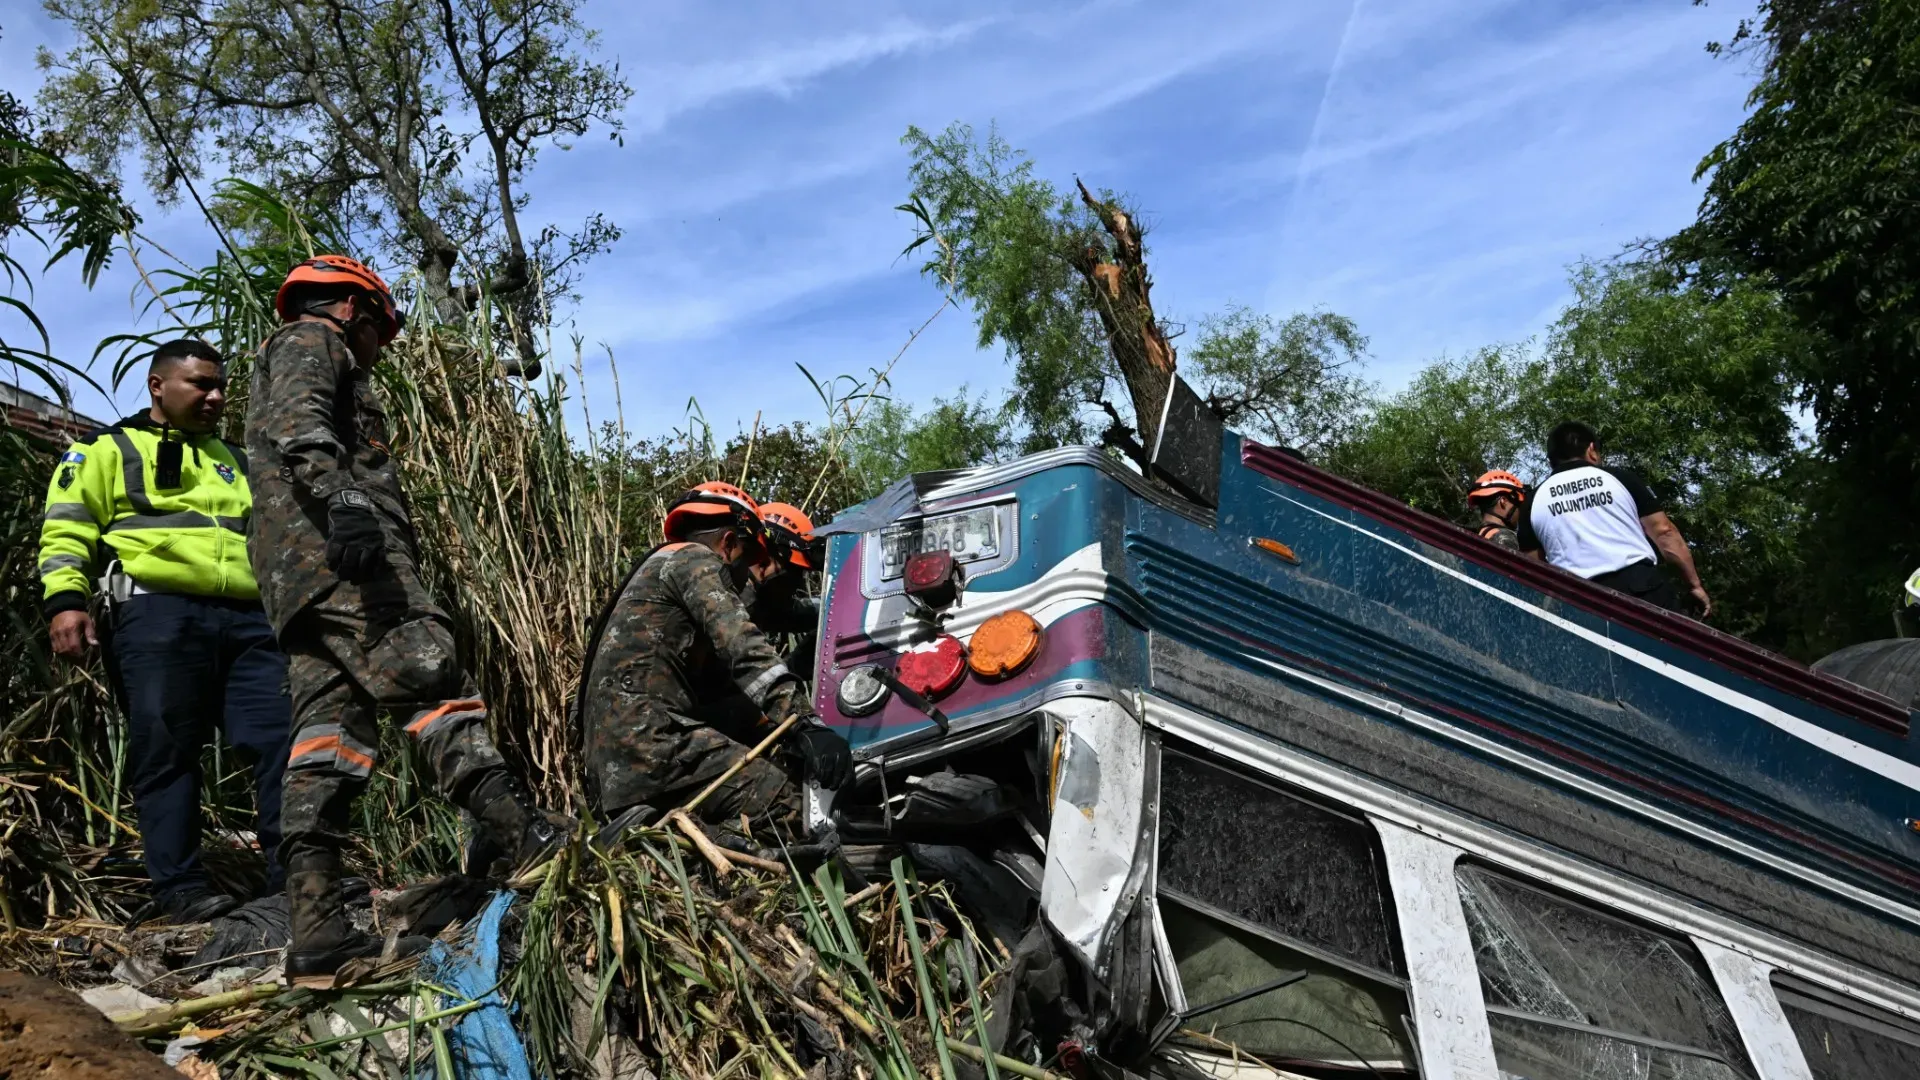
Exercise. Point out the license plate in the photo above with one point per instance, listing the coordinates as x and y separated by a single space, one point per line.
971 535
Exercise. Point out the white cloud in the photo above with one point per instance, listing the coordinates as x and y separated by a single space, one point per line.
666 92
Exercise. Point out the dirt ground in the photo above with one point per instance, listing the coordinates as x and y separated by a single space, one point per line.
48 1033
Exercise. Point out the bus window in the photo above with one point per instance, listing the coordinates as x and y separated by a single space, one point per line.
1845 1040
1574 993
1276 861
1276 916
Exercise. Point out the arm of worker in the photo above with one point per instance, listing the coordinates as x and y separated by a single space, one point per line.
751 661
306 365
1665 536
1528 540
79 505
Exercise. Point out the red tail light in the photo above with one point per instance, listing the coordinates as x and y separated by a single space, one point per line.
932 578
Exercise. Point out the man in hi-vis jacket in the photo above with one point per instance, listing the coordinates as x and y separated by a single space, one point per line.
154 509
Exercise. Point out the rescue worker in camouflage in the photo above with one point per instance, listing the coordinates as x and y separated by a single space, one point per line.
334 552
782 606
681 683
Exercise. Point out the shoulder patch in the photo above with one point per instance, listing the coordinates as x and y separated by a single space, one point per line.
72 457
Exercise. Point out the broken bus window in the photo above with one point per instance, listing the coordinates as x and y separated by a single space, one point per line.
1574 993
1257 887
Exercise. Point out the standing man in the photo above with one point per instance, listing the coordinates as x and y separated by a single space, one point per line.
680 682
1602 523
156 506
335 554
1498 496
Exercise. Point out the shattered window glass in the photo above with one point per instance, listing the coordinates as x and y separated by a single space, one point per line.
1274 860
1845 1040
1331 1017
1535 1051
1576 994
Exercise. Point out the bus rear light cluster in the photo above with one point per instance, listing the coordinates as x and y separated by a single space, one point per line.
1003 646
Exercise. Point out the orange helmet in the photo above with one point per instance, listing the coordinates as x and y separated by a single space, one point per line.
1498 482
340 270
714 505
792 534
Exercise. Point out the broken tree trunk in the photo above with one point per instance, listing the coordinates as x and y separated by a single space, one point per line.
1121 289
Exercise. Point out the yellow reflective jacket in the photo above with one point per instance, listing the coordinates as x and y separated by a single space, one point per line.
185 534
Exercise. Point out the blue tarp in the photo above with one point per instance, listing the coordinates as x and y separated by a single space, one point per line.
484 1043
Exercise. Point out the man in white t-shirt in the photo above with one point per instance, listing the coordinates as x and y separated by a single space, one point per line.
1602 523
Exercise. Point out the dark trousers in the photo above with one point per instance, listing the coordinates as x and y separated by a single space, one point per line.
185 667
1644 580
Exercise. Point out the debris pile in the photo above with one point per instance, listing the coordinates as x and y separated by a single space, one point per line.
665 956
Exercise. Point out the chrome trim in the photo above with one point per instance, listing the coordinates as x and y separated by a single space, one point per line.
1080 588
964 728
987 476
1006 727
1586 785
1506 850
1007 507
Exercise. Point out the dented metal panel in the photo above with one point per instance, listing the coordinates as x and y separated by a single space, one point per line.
1099 814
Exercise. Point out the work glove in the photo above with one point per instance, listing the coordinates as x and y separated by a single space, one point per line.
355 545
826 756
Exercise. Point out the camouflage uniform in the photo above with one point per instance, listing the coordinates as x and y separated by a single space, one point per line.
681 683
1495 533
316 428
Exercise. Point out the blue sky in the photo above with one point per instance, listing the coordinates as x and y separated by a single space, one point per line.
1429 169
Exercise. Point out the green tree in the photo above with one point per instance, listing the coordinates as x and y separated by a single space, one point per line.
416 120
1013 239
1815 197
1425 444
62 211
1293 382
1060 283
1689 385
895 440
1693 387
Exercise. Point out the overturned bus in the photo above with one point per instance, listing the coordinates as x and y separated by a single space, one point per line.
1254 771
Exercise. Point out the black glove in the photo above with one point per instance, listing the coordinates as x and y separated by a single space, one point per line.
355 545
827 757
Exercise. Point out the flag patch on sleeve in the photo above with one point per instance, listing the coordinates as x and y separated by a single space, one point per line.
72 457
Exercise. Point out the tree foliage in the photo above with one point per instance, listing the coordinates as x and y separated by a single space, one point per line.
1425 444
415 120
1293 381
1689 385
1014 238
64 212
1059 283
1814 197
896 440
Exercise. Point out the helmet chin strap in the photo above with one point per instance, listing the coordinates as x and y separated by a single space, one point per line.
318 308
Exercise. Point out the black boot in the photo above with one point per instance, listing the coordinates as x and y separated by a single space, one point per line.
322 939
528 835
195 904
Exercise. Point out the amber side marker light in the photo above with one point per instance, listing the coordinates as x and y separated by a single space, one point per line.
1274 547
1004 644
1914 824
